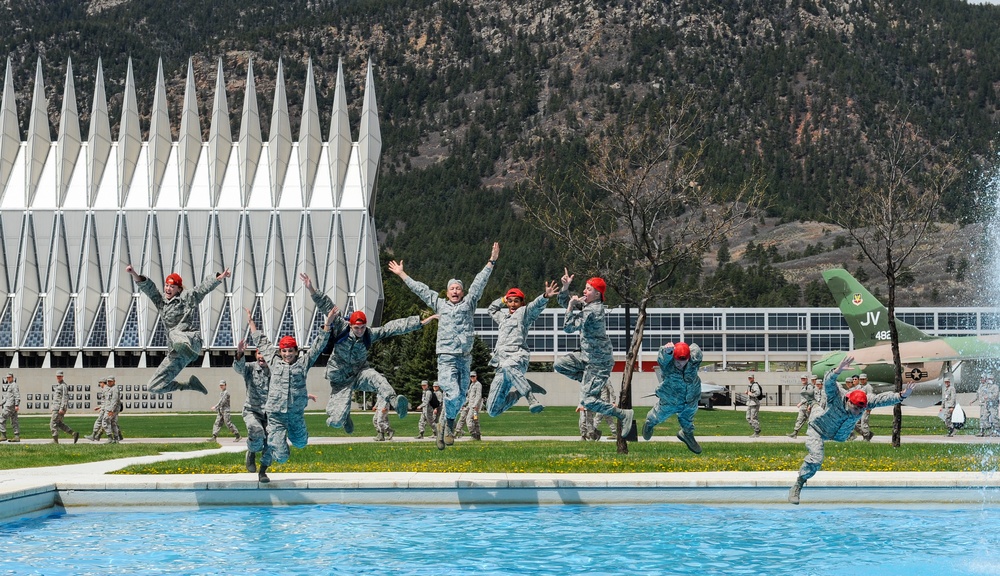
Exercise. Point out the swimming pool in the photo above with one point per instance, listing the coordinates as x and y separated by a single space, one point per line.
649 539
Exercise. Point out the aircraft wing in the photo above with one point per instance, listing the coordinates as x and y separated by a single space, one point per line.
938 350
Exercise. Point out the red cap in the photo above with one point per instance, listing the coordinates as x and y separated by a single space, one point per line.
287 342
174 279
682 351
858 398
358 318
598 284
515 293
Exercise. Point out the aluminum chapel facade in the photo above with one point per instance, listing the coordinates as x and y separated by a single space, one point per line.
74 212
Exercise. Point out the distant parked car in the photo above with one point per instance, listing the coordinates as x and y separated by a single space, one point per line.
713 395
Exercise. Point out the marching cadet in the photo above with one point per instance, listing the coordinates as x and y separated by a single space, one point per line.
678 392
257 377
60 403
455 337
511 354
469 416
426 411
287 395
112 406
754 395
10 405
807 399
836 421
348 369
222 415
948 403
98 431
591 365
176 307
380 420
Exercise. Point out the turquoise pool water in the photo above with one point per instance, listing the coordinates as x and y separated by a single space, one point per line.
660 539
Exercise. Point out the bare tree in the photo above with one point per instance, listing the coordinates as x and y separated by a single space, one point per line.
890 215
640 214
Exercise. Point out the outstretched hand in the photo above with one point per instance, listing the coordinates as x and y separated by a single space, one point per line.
250 322
551 289
908 389
427 320
225 273
307 282
133 273
397 268
844 364
241 347
495 252
567 278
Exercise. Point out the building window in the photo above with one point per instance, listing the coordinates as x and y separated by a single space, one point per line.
67 334
653 342
35 336
130 331
830 342
224 332
656 321
957 321
703 321
539 343
707 342
787 342
922 320
745 321
287 325
568 342
6 327
828 321
745 342
786 321
159 337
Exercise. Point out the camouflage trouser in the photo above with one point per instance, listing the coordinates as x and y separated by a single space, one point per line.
948 414
662 410
256 423
586 423
802 418
338 408
862 426
426 419
814 460
612 423
224 419
98 425
381 422
753 419
163 380
56 423
988 419
453 378
10 414
111 427
509 384
282 428
592 375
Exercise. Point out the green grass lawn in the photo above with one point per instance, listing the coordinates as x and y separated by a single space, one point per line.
37 455
554 421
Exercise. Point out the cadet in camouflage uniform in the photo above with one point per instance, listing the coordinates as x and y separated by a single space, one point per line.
455 337
469 416
607 395
177 308
836 421
222 415
348 369
989 398
511 355
380 420
754 395
426 411
807 399
257 377
591 365
98 431
287 395
112 405
862 427
679 391
60 403
10 405
948 403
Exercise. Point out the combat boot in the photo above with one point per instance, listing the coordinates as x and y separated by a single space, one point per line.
688 439
795 490
214 438
595 435
627 428
793 434
237 439
390 434
3 438
402 405
349 425
380 437
251 461
55 438
195 384
439 435
419 436
16 438
534 406
647 430
76 437
262 475
449 432
477 436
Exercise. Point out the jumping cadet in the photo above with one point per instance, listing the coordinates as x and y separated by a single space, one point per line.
591 365
257 377
287 395
348 369
511 354
455 337
177 309
836 421
678 392
60 403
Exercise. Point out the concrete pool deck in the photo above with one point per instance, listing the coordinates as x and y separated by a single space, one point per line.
89 486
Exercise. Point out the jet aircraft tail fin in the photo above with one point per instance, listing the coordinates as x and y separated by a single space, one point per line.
866 316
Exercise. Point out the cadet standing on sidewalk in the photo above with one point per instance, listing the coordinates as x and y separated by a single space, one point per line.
257 377
426 412
807 399
948 403
112 404
10 405
222 415
470 412
60 404
754 395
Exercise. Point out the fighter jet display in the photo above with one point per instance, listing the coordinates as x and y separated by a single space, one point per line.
925 358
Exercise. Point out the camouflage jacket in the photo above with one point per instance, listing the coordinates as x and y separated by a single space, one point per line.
678 386
455 329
